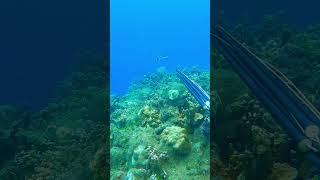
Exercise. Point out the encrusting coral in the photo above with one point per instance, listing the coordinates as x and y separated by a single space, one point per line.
176 138
149 116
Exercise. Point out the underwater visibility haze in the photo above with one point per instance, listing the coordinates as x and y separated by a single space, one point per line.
146 35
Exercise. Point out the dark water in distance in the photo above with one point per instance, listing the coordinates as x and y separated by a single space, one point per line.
297 13
40 41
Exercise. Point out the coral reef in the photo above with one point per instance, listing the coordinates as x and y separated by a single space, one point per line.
64 140
149 117
176 138
155 127
250 143
173 94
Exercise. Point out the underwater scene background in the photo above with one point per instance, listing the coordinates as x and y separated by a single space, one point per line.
54 106
54 93
248 142
154 121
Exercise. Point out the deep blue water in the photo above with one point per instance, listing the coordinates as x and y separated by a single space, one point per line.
296 13
40 41
143 30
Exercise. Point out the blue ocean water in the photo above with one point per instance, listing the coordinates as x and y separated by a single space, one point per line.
146 35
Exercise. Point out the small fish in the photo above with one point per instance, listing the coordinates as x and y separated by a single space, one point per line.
161 58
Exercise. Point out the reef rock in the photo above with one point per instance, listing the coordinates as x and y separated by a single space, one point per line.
99 163
137 174
198 117
149 116
261 139
117 156
140 157
63 133
176 138
173 94
282 171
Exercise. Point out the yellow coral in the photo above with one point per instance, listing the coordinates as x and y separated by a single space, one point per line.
198 116
176 138
149 116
